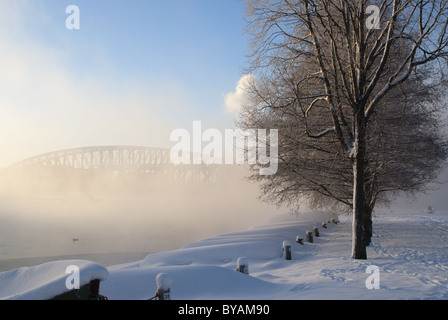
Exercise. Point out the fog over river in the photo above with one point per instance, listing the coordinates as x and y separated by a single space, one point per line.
131 219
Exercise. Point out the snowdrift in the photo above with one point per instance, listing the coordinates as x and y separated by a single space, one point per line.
408 251
47 280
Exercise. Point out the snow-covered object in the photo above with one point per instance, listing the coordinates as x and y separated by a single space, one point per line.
242 265
286 249
47 280
163 281
286 244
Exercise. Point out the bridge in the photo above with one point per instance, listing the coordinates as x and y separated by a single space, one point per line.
119 158
116 161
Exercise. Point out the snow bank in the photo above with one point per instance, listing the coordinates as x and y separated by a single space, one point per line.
47 280
409 252
259 242
192 282
207 269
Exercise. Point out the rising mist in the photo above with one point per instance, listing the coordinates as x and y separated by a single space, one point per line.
45 214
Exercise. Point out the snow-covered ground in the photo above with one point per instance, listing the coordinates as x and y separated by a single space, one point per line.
409 253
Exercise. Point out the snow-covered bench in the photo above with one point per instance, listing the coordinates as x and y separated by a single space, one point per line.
49 281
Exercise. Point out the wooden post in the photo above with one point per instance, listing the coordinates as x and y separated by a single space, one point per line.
299 240
163 286
324 225
309 236
242 265
94 289
286 250
316 231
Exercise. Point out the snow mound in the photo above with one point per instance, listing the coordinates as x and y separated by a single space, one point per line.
47 280
207 269
263 242
197 282
408 251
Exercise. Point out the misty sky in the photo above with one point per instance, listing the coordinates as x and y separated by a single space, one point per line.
132 73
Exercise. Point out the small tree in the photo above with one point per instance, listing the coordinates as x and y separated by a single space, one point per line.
356 110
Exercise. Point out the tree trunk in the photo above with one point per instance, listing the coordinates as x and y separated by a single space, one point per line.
359 197
368 226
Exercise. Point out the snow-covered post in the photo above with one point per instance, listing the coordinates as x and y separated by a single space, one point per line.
286 250
316 231
299 240
324 225
309 236
163 286
242 265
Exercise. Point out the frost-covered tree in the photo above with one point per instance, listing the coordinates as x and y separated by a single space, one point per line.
356 98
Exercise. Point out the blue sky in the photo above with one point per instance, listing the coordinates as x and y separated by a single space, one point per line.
196 42
133 72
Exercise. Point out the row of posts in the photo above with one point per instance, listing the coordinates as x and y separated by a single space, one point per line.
163 281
